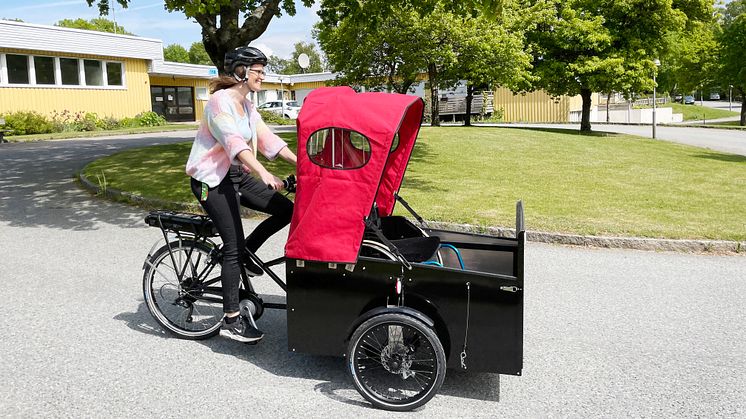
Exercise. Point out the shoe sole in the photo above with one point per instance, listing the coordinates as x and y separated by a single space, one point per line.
252 273
228 334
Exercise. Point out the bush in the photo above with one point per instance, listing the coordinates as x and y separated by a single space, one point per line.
107 123
497 116
128 123
150 119
67 121
270 117
27 122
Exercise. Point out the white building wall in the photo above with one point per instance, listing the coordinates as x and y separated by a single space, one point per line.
26 36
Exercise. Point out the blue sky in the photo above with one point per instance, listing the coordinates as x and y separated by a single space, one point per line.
149 19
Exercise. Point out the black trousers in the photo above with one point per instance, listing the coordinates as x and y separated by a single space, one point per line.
223 206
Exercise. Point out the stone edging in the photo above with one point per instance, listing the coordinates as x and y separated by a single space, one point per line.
689 246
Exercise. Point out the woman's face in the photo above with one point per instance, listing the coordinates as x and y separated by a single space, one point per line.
255 77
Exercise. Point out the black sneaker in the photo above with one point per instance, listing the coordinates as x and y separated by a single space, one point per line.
252 269
241 330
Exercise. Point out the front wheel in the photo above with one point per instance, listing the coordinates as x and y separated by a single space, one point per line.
182 289
396 361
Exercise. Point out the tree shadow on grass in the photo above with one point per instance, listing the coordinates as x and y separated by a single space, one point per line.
562 131
273 356
730 158
422 153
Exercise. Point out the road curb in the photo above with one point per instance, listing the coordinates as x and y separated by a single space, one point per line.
637 243
658 245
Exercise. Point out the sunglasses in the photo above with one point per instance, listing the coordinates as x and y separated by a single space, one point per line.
259 72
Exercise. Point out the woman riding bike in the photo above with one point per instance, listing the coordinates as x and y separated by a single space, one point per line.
221 163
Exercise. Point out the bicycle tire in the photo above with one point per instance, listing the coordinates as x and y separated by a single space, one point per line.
388 373
174 304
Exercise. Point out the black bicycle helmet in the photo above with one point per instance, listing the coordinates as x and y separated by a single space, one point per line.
243 56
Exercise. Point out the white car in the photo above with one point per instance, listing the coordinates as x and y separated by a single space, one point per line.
290 110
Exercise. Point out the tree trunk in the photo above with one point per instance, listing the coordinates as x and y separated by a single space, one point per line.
219 40
608 99
743 107
469 98
432 74
585 121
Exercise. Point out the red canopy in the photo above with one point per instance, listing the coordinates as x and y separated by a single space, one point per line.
339 177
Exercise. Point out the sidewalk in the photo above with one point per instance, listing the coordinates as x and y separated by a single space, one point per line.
707 121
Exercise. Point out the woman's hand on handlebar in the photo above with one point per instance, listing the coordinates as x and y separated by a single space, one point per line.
272 181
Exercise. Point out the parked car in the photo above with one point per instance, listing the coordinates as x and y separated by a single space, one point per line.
688 100
290 110
714 96
678 97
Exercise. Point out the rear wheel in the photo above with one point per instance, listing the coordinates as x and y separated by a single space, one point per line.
396 361
184 293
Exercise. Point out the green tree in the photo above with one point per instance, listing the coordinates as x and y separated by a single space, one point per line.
291 66
485 49
733 58
198 55
175 53
732 10
491 54
395 50
277 64
374 56
97 24
226 24
690 62
371 11
585 46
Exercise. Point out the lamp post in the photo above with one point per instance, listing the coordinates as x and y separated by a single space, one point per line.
657 63
730 102
282 99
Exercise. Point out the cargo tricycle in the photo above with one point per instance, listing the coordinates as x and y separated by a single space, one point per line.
399 300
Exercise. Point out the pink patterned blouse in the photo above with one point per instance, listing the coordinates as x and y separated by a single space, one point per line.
223 133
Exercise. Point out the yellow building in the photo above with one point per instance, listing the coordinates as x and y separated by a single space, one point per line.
539 106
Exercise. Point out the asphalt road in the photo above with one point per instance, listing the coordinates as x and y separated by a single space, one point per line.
718 140
608 333
734 106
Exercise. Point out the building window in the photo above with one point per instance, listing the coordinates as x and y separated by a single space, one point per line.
17 69
94 75
44 70
32 71
70 72
114 74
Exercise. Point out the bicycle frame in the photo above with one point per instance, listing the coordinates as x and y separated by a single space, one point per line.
171 235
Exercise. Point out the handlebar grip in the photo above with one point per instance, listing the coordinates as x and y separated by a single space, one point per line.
288 183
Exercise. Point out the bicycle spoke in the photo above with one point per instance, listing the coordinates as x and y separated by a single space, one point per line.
175 301
419 383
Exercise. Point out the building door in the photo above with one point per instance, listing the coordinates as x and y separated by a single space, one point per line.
176 104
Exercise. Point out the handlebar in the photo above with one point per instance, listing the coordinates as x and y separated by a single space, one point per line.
288 183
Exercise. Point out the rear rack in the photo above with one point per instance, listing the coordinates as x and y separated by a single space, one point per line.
179 222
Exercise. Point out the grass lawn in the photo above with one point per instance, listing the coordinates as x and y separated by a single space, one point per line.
597 185
729 124
694 112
